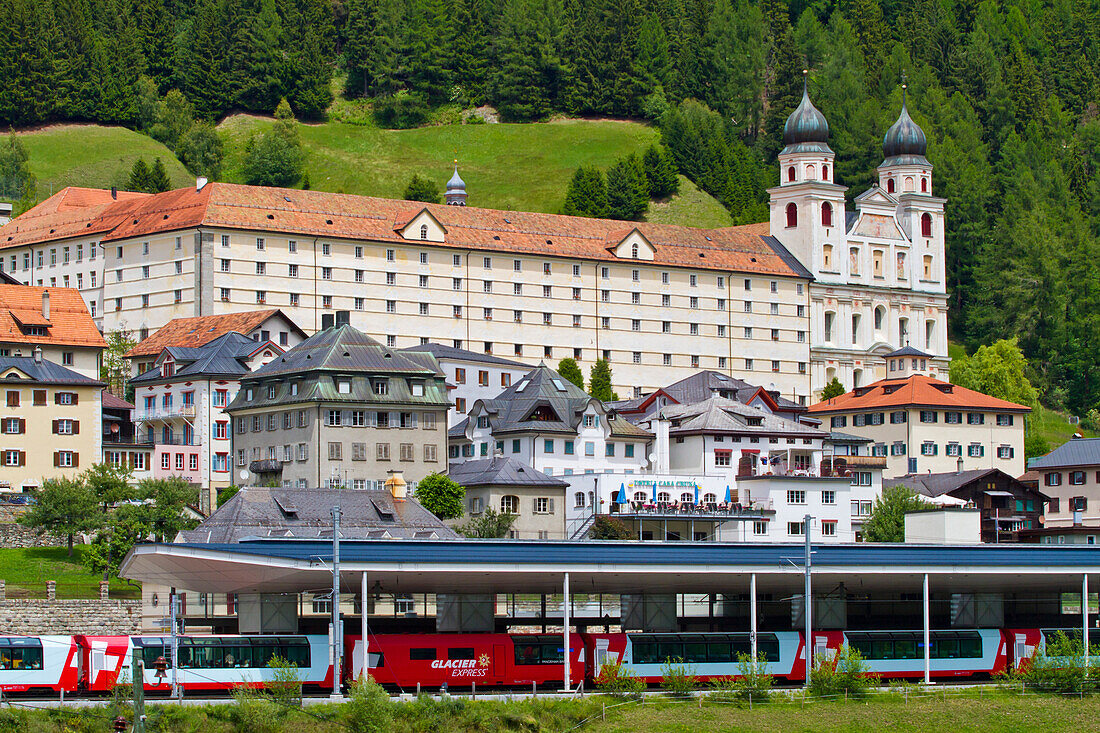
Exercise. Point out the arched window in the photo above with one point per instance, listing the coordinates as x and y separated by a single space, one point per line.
826 214
880 316
857 378
824 172
710 498
830 320
664 496
924 185
889 185
855 328
792 215
928 267
686 497
639 496
926 225
929 334
423 231
909 185
634 251
509 504
903 331
790 174
811 172
578 500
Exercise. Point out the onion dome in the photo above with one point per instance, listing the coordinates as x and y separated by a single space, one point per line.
456 190
806 130
904 143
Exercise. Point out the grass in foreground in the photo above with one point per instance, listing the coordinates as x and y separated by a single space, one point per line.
27 570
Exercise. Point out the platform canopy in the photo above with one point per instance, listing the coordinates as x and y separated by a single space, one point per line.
509 566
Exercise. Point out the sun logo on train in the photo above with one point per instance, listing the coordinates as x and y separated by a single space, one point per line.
483 660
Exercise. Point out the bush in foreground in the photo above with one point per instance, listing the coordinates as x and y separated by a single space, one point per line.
616 679
847 675
369 709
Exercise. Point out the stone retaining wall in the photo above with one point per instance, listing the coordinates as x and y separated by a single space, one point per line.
16 535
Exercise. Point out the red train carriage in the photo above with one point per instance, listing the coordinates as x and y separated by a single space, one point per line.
461 660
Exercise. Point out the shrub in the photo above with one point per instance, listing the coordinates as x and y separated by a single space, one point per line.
753 679
401 111
846 675
255 711
617 680
679 678
369 709
286 683
1059 667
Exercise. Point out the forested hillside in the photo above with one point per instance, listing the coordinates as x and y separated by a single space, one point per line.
1007 92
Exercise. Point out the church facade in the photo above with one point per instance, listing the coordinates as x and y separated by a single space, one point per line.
879 270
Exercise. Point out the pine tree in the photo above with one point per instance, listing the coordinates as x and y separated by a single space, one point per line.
660 171
569 371
599 381
139 177
627 189
158 178
16 179
587 194
833 389
422 189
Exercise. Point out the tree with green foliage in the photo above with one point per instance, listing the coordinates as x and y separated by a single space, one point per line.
599 381
422 189
114 368
998 370
158 181
275 158
227 493
200 149
610 528
490 524
587 193
139 177
660 172
109 483
164 502
173 117
440 495
627 189
887 520
833 389
570 372
16 179
64 506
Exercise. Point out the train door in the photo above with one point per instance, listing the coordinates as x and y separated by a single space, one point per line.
81 665
821 647
601 655
500 663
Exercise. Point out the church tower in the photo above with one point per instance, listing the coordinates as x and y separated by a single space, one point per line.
807 207
456 190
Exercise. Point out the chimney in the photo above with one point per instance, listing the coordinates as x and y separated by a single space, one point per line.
327 321
114 193
37 354
46 304
200 183
959 465
343 318
396 485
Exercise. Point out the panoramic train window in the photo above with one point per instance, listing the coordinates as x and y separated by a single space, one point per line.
422 653
700 648
910 644
539 649
20 653
229 652
466 652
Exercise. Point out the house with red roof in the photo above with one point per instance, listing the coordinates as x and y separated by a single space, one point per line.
923 424
54 321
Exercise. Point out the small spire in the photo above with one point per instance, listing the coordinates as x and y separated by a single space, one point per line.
904 87
805 76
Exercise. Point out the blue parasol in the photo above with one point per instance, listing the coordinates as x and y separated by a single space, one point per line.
728 497
696 493
621 498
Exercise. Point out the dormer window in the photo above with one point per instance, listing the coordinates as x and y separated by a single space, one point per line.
168 369
343 386
380 386
423 231
417 389
36 331
634 251
294 389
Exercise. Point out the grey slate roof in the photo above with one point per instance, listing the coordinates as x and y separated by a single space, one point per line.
938 484
1072 453
908 350
788 258
222 357
345 348
703 385
720 415
306 514
838 437
500 471
511 410
441 351
43 372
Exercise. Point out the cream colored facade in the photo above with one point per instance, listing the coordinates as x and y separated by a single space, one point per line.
684 319
45 436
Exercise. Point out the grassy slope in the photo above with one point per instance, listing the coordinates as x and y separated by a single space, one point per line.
505 166
992 714
91 155
27 570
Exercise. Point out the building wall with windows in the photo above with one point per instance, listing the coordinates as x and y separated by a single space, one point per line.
49 427
472 376
1070 476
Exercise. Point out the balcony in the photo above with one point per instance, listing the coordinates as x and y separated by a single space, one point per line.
186 412
689 510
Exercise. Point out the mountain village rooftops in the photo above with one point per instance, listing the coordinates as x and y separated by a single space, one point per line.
719 415
28 370
201 330
916 390
500 471
1074 452
23 317
344 348
225 356
77 213
442 351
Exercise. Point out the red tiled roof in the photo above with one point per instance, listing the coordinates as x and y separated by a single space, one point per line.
915 391
320 214
110 402
201 330
71 212
69 323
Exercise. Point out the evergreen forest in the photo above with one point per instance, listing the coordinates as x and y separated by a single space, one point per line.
1008 93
